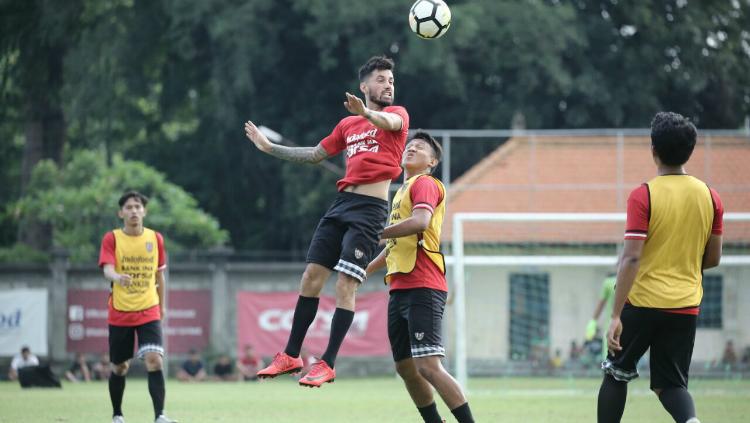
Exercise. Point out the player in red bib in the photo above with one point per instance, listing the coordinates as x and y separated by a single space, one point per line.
416 274
133 259
673 233
345 240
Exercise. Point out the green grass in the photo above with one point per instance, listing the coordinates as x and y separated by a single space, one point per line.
362 400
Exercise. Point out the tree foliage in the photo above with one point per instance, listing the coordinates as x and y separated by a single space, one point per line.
79 202
170 83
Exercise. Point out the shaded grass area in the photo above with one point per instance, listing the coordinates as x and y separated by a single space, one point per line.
361 400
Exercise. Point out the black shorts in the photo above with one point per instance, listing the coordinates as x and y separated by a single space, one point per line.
670 336
122 341
415 318
347 236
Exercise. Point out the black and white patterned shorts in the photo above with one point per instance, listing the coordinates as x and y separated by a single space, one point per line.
122 341
415 318
347 236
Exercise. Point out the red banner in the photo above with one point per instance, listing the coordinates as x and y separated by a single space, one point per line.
188 313
264 321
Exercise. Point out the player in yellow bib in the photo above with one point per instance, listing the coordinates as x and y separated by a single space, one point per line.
134 260
673 232
416 275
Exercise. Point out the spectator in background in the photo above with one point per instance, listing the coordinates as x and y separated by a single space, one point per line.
591 352
102 369
729 358
556 361
574 355
79 370
249 365
223 369
745 360
192 369
24 359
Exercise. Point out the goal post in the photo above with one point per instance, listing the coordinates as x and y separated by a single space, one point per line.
542 231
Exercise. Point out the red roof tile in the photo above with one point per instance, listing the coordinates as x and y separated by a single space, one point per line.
580 174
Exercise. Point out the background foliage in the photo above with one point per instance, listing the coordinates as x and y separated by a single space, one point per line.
168 83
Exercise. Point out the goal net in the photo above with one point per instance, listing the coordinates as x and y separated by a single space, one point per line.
525 285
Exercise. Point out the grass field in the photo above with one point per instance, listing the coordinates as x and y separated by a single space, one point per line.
362 401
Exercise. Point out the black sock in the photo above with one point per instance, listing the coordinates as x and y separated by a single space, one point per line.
156 389
304 314
116 390
462 413
430 414
342 319
611 404
679 403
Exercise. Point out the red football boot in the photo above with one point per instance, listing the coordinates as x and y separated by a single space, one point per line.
318 375
282 364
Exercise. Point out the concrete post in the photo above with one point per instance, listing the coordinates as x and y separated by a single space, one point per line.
58 303
220 337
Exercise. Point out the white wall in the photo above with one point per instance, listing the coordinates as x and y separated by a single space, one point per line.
573 294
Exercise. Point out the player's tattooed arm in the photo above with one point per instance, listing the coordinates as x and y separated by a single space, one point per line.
299 154
293 154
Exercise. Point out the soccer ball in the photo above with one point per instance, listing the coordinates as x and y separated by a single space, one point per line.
429 18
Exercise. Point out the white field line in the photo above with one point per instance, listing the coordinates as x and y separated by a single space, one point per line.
592 393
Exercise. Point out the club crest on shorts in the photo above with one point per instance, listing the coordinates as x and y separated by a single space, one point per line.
358 253
419 335
149 246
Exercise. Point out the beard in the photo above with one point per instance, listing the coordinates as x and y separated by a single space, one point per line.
381 103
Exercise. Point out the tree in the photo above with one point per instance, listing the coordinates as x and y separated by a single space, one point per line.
35 38
79 202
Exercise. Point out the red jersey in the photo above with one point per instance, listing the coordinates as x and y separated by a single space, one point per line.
372 154
425 194
136 318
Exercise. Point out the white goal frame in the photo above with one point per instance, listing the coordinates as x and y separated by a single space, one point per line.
459 261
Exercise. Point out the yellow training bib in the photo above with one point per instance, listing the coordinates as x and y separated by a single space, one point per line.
137 256
401 253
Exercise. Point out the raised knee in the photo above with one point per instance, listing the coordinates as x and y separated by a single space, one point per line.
406 372
153 361
121 369
346 286
425 371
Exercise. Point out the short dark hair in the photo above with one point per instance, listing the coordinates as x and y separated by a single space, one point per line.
673 137
25 349
132 194
437 150
375 63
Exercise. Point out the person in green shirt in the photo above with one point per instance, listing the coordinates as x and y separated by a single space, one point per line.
606 300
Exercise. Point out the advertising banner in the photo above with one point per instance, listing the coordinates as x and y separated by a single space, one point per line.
264 321
188 314
23 321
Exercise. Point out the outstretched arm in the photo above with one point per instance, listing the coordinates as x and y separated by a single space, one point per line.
416 223
383 120
293 154
377 263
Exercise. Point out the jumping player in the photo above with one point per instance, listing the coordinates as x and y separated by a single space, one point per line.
347 235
